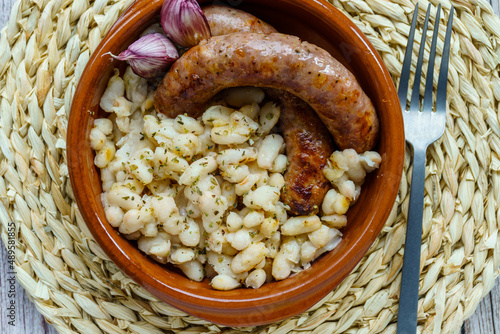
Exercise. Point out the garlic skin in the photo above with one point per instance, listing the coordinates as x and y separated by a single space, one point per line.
150 56
184 22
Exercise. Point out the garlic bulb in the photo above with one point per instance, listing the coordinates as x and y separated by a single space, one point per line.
150 55
184 22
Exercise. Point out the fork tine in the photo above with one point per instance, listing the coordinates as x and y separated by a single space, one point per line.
415 96
427 104
405 72
443 71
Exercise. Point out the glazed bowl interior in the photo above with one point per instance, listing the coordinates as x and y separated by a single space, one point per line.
312 20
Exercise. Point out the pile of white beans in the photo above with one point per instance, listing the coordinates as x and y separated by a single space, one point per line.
204 194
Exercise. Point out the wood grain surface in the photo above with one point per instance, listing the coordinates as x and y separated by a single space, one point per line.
486 319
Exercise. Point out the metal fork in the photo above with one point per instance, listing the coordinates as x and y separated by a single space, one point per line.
423 126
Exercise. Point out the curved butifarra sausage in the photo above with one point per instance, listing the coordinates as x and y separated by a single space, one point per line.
307 140
308 147
276 61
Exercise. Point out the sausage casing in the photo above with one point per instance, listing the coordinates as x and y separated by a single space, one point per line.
276 61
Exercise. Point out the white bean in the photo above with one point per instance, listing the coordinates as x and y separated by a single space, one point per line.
263 197
150 229
234 173
122 107
339 160
108 179
225 135
253 219
256 278
196 190
263 178
166 162
133 221
346 187
136 87
269 150
250 110
221 263
227 190
282 267
224 282
280 213
213 208
335 203
163 188
133 184
140 166
217 116
124 198
193 211
307 251
123 124
336 221
370 160
269 226
190 235
291 249
320 237
198 169
104 156
181 255
114 215
279 164
234 222
97 139
240 239
185 145
216 240
334 239
158 245
332 173
104 125
301 224
284 261
238 131
268 117
186 124
163 207
276 180
114 89
236 156
174 224
193 270
249 257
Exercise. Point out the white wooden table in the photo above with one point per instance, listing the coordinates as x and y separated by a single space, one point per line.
486 319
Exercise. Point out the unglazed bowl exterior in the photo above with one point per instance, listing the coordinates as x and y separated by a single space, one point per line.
315 21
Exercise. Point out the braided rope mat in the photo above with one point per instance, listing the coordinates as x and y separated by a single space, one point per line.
43 51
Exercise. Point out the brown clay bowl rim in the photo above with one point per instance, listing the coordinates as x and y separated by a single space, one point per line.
275 301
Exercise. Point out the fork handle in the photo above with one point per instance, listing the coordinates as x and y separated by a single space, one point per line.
408 297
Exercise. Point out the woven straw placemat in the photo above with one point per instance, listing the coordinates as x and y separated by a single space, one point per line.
43 51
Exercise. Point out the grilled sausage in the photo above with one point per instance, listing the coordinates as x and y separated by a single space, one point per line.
276 61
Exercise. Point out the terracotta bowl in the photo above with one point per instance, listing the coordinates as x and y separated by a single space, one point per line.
315 21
